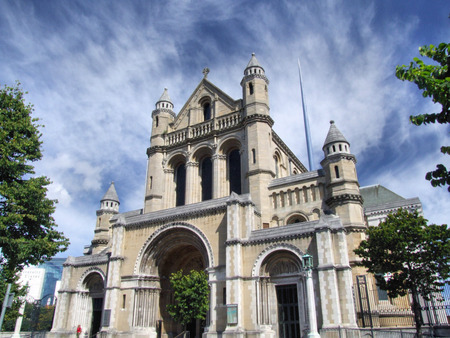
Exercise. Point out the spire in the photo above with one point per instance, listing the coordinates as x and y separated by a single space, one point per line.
306 121
164 104
334 135
254 68
111 194
165 96
253 62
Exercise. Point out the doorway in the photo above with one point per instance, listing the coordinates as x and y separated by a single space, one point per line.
288 315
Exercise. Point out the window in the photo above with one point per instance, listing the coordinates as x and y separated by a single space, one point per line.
234 171
157 121
250 88
254 155
180 184
276 166
336 171
206 111
206 177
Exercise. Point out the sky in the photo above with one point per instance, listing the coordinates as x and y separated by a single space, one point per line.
94 70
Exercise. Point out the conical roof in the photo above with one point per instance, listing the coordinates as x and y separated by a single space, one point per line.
111 194
165 96
334 135
253 62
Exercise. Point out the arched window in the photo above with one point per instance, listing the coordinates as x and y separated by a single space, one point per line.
206 111
206 177
234 171
296 219
180 184
336 171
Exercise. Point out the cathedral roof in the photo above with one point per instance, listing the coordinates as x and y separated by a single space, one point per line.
334 135
165 96
253 62
111 194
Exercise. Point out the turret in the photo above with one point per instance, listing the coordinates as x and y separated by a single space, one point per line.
342 189
162 116
260 168
109 206
255 89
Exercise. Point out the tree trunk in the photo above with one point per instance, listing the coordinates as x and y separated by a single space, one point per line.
417 314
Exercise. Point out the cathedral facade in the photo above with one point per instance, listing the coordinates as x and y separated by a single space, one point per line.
224 194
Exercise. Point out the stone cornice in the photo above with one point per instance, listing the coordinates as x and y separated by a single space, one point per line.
258 172
99 241
150 197
344 198
258 118
250 77
163 110
155 149
337 157
101 212
88 260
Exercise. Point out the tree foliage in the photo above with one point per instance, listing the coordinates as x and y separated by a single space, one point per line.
434 80
191 295
407 256
27 228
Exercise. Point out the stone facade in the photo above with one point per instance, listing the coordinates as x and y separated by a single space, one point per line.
226 195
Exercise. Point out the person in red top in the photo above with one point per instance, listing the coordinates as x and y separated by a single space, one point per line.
78 330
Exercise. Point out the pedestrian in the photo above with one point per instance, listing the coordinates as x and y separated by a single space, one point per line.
79 331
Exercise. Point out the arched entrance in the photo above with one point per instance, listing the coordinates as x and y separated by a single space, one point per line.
282 293
175 247
89 303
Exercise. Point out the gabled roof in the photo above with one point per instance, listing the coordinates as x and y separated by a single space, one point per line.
111 194
334 135
210 87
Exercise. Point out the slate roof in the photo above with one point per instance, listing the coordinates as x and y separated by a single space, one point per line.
334 135
111 194
165 96
253 62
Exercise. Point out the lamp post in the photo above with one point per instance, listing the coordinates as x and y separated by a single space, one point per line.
308 263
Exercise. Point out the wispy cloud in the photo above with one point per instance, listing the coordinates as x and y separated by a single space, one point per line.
95 70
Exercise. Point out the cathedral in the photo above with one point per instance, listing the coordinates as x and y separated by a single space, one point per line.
224 194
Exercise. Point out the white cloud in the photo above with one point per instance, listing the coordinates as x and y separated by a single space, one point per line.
94 72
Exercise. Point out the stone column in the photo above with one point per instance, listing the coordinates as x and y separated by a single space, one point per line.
311 305
169 196
192 184
219 175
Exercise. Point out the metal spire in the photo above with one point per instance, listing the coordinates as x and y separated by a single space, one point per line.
306 121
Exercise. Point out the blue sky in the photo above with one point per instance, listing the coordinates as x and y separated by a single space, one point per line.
95 69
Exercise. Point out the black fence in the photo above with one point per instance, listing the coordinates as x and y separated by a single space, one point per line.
375 309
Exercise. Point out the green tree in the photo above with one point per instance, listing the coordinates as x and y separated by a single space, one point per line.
407 256
27 228
191 295
434 80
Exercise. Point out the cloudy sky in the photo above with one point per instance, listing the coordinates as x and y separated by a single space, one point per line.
95 69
